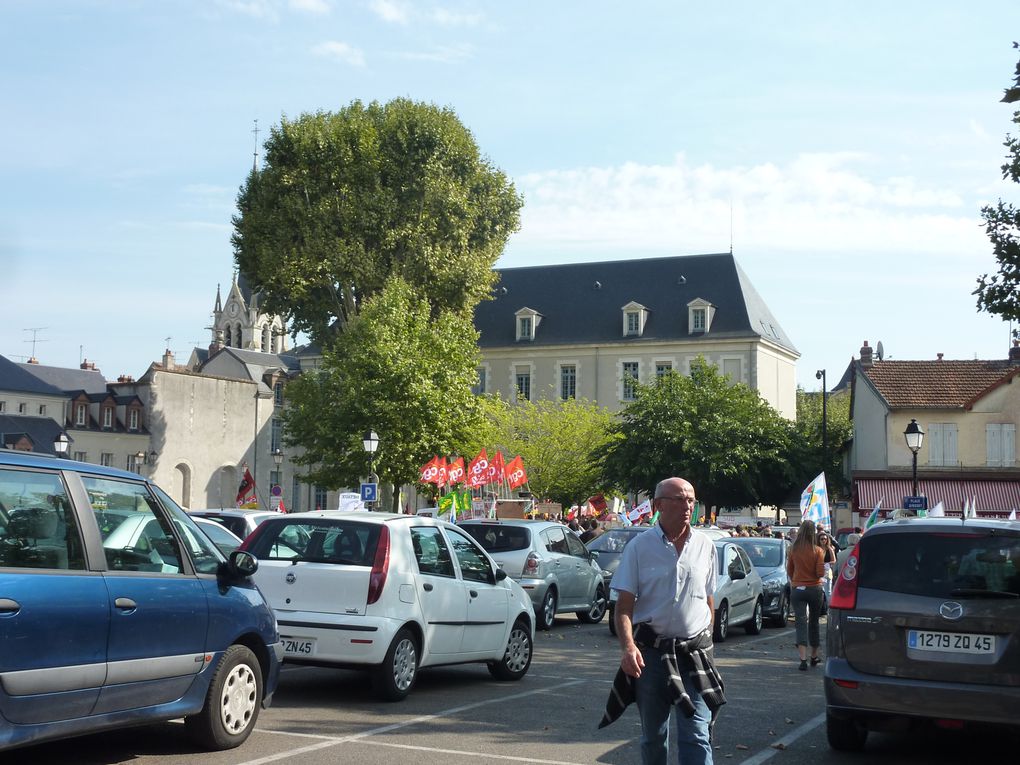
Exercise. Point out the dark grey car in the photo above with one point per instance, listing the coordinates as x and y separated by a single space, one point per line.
924 628
768 556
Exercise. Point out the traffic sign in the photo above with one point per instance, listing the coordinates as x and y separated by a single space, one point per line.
369 492
276 491
915 503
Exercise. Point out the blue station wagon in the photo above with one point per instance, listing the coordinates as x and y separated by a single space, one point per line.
115 610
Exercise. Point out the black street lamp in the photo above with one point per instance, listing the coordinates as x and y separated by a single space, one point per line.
915 437
820 375
61 444
278 458
371 443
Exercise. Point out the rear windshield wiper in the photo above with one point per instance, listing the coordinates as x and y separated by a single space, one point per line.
977 593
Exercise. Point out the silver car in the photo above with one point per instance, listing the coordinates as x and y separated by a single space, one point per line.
550 562
924 628
738 591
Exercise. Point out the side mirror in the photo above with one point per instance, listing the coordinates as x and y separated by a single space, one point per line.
500 575
736 574
243 563
593 554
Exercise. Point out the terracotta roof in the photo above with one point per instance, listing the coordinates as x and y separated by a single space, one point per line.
937 384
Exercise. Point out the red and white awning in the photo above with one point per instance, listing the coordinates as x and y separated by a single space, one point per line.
992 497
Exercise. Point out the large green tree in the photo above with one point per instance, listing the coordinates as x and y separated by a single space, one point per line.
807 455
999 293
396 370
346 199
562 443
720 436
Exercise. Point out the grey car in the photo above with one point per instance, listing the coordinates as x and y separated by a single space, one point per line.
609 545
550 562
768 556
738 591
924 628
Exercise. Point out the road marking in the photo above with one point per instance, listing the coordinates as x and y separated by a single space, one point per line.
329 741
785 633
486 755
767 754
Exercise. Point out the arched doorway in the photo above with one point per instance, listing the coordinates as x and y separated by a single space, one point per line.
181 490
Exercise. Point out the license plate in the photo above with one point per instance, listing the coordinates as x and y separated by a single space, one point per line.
952 642
298 646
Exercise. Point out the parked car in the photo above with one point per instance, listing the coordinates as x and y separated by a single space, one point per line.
392 594
609 545
116 610
738 591
241 523
550 562
714 532
924 628
768 556
224 539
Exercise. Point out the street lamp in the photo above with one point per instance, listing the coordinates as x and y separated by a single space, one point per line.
139 461
914 436
820 375
278 458
61 444
371 443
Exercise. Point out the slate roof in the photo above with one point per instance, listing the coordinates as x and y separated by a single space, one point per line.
42 430
67 380
16 379
937 384
582 302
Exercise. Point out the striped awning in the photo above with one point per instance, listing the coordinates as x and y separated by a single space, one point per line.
992 497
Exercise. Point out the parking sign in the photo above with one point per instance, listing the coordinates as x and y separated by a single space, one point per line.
368 492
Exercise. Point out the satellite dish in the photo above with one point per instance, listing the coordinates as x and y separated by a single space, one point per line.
879 351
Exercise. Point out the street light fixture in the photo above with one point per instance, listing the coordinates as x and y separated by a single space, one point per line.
278 458
915 437
820 375
371 443
61 444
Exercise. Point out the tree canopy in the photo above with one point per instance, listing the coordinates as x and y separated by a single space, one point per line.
807 454
999 293
344 200
722 437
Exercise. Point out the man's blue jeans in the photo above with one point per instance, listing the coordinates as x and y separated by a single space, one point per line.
653 700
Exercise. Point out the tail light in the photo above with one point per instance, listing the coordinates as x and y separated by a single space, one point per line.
844 591
380 566
531 564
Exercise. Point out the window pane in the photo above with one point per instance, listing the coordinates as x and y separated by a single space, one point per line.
431 552
37 526
568 382
474 566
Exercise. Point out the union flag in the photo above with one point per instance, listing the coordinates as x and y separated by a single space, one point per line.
455 471
478 470
514 472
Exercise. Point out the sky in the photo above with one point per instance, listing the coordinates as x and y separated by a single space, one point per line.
843 151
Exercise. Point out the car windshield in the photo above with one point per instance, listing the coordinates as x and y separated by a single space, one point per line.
942 564
318 541
763 555
497 539
612 541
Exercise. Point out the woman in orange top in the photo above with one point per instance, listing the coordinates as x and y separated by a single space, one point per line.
806 567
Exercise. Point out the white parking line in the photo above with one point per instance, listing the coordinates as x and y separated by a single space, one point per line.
784 633
486 755
329 741
767 754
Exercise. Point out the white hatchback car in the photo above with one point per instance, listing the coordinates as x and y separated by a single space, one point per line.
390 593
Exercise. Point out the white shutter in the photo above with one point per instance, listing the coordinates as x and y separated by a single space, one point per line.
993 442
949 449
1009 445
934 444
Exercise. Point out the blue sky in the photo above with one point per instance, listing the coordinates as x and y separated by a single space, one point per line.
845 149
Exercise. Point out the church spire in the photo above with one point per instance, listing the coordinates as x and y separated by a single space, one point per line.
218 308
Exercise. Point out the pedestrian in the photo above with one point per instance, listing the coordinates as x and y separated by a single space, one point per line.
851 542
824 541
664 613
805 566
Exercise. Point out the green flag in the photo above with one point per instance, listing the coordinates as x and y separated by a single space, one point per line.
447 503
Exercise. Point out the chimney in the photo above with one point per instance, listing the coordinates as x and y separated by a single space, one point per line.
125 379
1014 353
217 343
88 365
168 359
867 359
32 360
939 355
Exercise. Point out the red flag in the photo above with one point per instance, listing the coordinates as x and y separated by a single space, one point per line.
514 472
441 467
430 470
282 507
598 503
455 471
478 470
495 469
246 491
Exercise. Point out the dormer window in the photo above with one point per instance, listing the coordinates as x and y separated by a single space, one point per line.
133 419
634 317
107 416
527 322
699 316
81 412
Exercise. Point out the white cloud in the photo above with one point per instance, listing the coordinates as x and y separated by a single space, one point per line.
818 203
442 53
311 6
387 10
448 18
340 51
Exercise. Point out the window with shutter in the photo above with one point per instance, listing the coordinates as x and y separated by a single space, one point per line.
1009 445
935 444
993 445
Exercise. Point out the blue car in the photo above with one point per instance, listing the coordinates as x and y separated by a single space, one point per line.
115 610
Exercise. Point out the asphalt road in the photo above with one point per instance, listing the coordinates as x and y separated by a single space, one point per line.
461 716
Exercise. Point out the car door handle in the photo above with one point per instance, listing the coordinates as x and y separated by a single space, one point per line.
125 604
427 587
8 606
473 593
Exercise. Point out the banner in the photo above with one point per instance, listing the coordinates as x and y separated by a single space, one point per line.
246 497
478 470
814 502
645 508
455 472
514 472
430 471
495 474
441 471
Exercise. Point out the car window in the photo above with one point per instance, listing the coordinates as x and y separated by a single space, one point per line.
320 540
431 552
576 547
37 525
205 555
765 555
136 535
474 565
611 541
554 540
745 561
731 563
220 536
941 565
497 539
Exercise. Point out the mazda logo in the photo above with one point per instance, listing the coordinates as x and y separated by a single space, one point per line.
951 610
290 578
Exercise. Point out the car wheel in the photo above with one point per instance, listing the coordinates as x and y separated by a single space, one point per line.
612 620
232 702
546 615
781 619
517 657
598 608
722 623
844 735
753 627
395 677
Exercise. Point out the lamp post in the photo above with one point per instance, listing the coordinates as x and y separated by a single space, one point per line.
139 459
371 442
820 375
61 444
278 458
914 436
